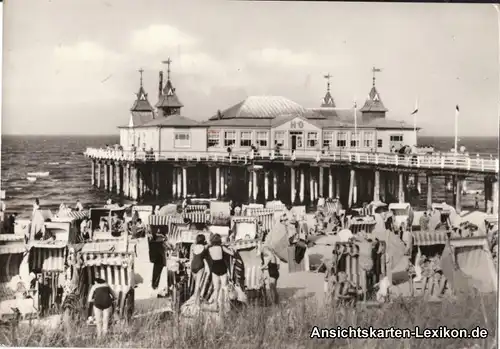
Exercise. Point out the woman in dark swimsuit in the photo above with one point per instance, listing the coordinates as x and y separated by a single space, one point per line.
102 297
271 267
218 267
198 254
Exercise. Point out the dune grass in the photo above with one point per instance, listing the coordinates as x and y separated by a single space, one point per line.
286 326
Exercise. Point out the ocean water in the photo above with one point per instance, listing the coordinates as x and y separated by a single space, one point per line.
69 171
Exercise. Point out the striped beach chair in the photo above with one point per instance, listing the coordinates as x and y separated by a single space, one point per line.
197 217
196 208
347 256
117 269
12 252
359 224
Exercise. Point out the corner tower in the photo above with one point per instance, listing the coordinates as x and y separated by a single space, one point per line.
374 107
168 102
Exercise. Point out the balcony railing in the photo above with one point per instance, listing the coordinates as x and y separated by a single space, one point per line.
427 161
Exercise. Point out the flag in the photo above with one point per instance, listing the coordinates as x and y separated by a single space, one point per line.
376 70
416 108
457 109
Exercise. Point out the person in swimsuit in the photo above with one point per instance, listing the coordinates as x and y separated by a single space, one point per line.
342 288
271 268
198 255
102 297
218 267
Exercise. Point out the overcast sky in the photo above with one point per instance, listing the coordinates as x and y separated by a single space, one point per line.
70 66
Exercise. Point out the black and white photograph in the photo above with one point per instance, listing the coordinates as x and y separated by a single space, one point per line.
249 174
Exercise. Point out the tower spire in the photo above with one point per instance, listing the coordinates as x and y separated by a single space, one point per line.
327 101
375 70
168 102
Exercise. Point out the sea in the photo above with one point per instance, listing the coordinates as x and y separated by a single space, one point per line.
70 172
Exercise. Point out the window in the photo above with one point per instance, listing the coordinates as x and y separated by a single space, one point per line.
328 139
396 138
312 139
341 139
229 138
213 138
182 139
379 143
245 138
262 139
354 139
368 140
279 138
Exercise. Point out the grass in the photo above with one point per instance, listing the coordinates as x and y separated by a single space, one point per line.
287 326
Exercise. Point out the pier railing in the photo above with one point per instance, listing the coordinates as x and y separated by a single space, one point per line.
424 161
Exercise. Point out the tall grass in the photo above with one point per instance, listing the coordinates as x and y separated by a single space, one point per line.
286 326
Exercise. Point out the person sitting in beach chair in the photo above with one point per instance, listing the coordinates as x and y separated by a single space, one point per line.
344 291
85 229
103 224
116 225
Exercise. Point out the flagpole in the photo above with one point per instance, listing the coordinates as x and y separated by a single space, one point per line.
356 123
456 129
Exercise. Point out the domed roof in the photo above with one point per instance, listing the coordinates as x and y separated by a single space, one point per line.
261 107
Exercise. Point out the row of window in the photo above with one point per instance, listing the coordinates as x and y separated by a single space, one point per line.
182 139
311 139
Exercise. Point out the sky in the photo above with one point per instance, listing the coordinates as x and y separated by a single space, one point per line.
71 66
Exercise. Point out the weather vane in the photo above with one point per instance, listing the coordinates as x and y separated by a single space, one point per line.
168 62
327 77
140 72
375 70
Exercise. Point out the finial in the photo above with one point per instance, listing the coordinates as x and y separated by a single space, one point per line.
327 77
375 70
168 62
140 72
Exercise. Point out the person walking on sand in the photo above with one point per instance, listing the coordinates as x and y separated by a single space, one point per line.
102 297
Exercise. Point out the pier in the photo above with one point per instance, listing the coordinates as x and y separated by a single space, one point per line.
271 148
290 176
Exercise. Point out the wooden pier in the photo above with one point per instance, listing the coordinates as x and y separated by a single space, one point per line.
292 177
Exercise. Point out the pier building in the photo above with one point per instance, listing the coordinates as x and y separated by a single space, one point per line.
269 147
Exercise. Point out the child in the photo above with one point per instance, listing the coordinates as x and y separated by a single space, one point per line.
102 297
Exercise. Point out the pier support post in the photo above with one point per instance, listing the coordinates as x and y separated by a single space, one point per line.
266 185
126 180
133 183
174 182
337 186
330 183
157 184
352 181
321 182
153 180
118 179
495 197
179 183
184 182
106 181
376 186
302 186
311 185
292 184
98 174
250 184
210 182
275 184
140 189
255 185
92 177
223 182
429 191
111 175
401 189
458 194
217 182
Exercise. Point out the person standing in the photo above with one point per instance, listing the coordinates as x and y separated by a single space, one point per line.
198 255
102 297
271 267
78 206
218 267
